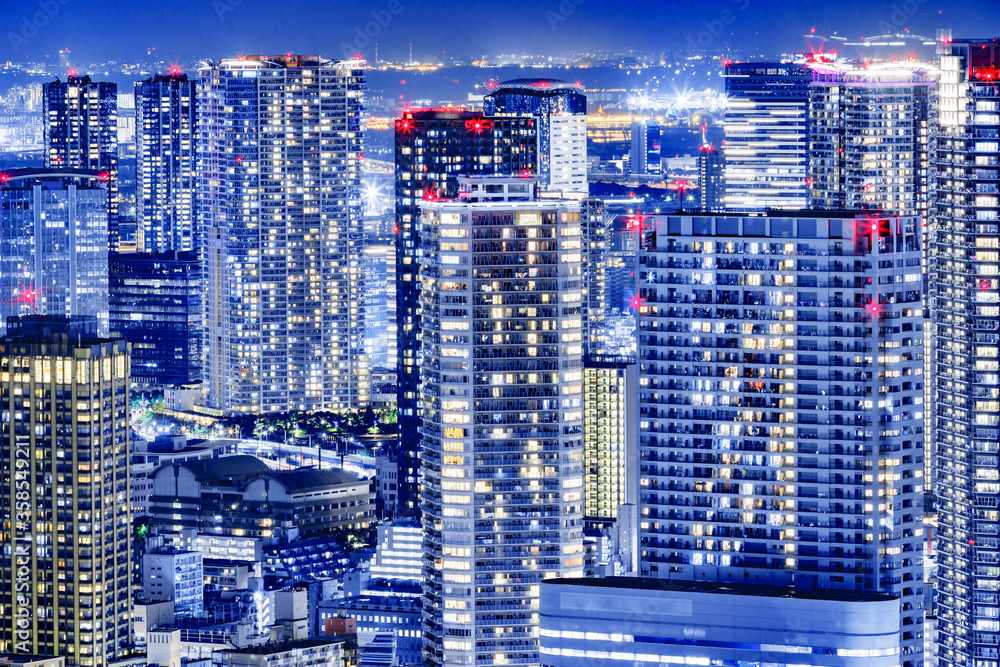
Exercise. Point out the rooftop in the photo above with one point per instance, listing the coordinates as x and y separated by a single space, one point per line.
281 647
535 86
722 588
226 466
303 479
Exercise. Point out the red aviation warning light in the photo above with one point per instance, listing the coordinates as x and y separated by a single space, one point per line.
405 125
875 310
477 125
634 301
27 295
634 224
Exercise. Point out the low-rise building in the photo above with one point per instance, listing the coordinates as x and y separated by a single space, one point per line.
326 652
241 496
177 576
639 622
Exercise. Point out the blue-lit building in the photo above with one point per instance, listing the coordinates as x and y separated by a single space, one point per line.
280 145
81 132
379 270
318 558
166 162
635 622
711 181
155 303
433 148
767 138
380 614
644 158
54 244
561 110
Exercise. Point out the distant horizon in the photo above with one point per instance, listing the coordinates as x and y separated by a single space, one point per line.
213 29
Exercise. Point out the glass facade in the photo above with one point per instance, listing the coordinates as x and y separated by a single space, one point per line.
380 306
155 303
54 244
166 163
561 111
81 132
766 136
781 404
280 219
502 392
434 147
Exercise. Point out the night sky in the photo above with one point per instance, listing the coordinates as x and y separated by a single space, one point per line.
184 30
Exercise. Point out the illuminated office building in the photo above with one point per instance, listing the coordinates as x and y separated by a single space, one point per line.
166 163
644 156
155 303
65 579
81 132
635 622
610 436
781 404
965 297
711 179
502 391
766 129
54 244
560 108
870 129
380 306
434 147
280 210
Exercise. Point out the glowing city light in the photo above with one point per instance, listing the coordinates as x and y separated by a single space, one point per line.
875 310
634 301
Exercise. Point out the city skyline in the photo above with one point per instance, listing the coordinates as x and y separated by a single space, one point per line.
570 332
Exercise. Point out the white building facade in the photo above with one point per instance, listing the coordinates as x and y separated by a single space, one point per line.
280 216
781 404
502 388
635 622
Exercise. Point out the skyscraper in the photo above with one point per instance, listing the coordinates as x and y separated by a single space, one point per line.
502 498
155 303
870 129
380 305
767 136
433 148
166 163
65 582
54 244
781 404
644 156
81 132
561 110
610 435
711 182
279 147
966 292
